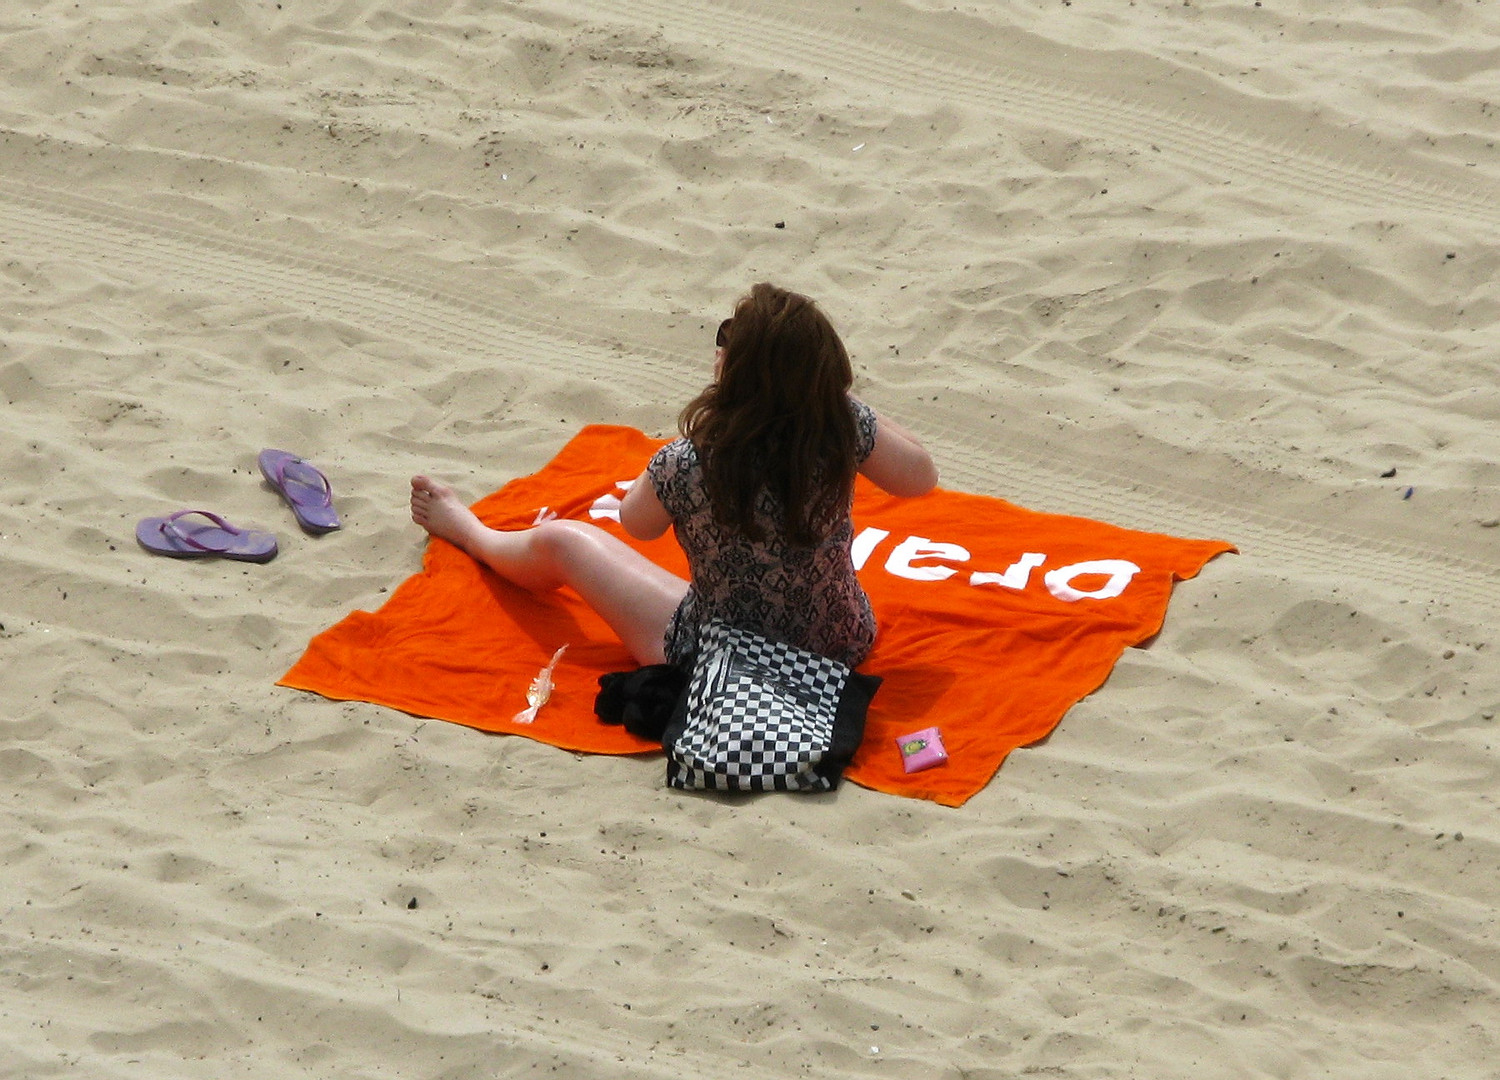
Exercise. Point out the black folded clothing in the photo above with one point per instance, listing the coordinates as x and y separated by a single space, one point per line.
642 700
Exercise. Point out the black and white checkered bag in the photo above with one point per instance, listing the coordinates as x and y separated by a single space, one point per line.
761 715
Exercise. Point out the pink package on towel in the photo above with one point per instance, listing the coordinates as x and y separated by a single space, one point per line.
922 749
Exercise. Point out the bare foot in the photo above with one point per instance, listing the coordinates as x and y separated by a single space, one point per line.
438 509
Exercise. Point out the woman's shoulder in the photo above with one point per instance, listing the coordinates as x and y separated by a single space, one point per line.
674 473
677 454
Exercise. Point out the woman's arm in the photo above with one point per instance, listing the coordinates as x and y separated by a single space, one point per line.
899 464
641 512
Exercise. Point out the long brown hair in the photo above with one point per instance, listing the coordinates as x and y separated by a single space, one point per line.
777 417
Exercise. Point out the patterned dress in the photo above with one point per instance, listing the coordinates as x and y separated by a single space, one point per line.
805 596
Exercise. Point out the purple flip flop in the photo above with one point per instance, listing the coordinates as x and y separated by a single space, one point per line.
305 489
211 538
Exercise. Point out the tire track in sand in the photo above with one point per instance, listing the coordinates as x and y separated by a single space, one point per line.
467 316
957 60
418 307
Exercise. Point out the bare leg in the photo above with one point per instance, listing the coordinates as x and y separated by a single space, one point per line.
629 591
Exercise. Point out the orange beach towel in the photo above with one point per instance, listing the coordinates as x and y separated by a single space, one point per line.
993 621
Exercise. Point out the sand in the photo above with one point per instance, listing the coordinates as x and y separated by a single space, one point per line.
1208 268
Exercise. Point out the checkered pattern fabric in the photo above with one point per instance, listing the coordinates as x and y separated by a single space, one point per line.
760 715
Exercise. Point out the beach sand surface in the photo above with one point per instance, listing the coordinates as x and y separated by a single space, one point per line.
1212 269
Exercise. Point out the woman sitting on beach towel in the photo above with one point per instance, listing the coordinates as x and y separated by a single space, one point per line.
759 489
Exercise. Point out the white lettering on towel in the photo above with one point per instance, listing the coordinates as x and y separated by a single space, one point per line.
1016 575
919 547
864 543
1059 582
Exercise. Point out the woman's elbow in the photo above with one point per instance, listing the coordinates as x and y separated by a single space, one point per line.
643 520
930 478
642 527
919 480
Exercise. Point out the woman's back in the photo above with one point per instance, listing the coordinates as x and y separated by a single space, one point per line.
763 578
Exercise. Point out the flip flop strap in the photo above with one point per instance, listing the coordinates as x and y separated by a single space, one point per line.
322 481
169 527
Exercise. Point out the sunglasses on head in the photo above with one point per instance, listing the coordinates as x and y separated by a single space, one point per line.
721 339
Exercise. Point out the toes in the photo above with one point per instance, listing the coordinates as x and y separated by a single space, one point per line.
428 488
